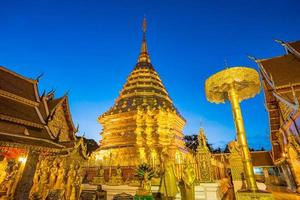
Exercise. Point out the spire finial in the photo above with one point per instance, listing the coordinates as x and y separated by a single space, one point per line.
144 25
144 56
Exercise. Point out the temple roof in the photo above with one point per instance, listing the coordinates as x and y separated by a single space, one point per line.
259 158
17 84
13 110
143 87
293 47
283 70
24 115
281 83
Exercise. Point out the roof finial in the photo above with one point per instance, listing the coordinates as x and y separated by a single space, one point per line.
144 56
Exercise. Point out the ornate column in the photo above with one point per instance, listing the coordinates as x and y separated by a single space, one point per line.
241 136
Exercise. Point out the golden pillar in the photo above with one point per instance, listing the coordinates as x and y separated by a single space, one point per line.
241 137
235 85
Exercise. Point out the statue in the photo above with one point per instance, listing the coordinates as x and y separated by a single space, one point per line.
117 179
60 176
201 139
101 175
70 181
44 180
53 175
77 183
168 186
8 183
146 183
3 166
73 192
145 174
36 179
99 179
119 171
234 146
188 177
101 172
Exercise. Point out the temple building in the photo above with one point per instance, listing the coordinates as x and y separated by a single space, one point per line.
143 122
37 139
281 84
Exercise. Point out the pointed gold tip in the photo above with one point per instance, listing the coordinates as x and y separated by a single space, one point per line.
144 25
144 56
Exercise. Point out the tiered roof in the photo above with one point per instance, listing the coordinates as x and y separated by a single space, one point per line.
24 114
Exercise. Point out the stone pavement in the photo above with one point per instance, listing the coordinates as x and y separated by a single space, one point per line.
282 193
278 193
285 196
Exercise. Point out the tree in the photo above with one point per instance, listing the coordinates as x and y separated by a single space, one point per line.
226 150
191 141
217 150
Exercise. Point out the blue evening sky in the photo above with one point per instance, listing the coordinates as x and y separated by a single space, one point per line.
89 47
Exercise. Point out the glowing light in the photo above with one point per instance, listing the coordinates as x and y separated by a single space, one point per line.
283 154
22 159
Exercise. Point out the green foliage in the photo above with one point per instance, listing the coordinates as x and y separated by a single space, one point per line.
143 198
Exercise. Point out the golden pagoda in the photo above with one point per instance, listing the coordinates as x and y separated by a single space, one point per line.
143 121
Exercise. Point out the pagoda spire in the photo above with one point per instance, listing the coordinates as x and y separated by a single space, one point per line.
144 56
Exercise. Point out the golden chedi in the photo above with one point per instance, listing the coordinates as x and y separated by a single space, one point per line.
142 122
